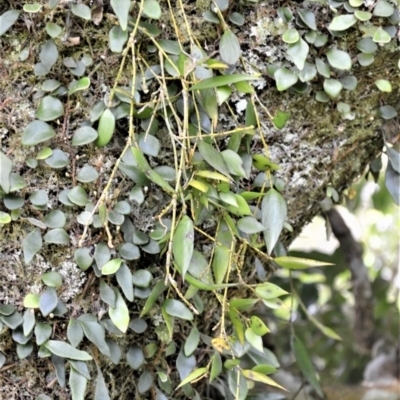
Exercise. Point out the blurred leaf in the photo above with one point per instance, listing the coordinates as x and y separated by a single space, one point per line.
95 333
342 22
151 9
222 80
111 267
121 10
258 326
7 20
192 341
195 375
101 391
53 279
304 362
298 52
158 289
299 263
31 300
31 245
392 180
258 377
74 332
82 11
77 383
135 357
50 108
5 172
285 78
339 59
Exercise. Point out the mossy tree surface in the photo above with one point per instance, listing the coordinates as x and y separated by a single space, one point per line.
153 180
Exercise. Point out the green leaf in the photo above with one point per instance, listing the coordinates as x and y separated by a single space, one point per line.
323 68
83 258
308 73
234 163
280 119
50 108
298 52
308 18
53 30
80 85
213 157
149 144
58 159
332 87
95 333
342 22
363 15
183 244
142 278
111 267
383 85
77 383
176 308
383 9
274 211
258 326
339 59
222 80
24 350
195 375
191 342
392 181
74 332
119 314
121 10
220 263
55 219
229 48
48 55
124 279
250 225
101 391
237 323
32 8
367 45
106 128
7 20
365 59
258 377
5 218
48 301
304 362
43 333
269 291
78 196
291 36
236 18
84 135
387 112
117 39
5 172
31 245
135 357
37 132
65 350
57 236
151 9
299 263
31 300
158 289
53 279
285 78
254 339
82 11
216 366
381 36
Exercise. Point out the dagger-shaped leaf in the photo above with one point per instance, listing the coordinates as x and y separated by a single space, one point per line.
183 244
